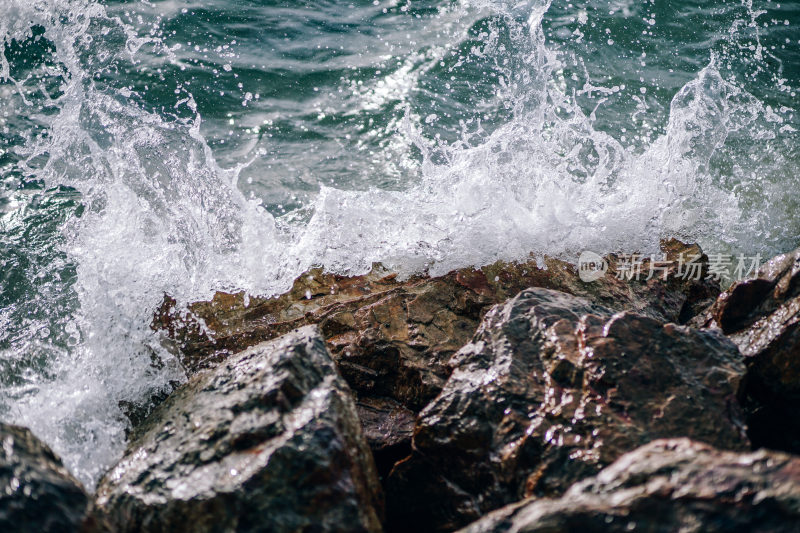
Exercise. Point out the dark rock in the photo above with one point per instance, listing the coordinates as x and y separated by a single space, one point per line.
388 427
392 339
552 389
666 486
762 316
37 492
269 440
746 303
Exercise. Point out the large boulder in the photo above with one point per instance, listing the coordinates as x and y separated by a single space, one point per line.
666 486
552 389
392 338
269 440
36 491
762 316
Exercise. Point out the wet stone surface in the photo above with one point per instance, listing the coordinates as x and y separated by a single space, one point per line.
666 486
269 440
762 316
552 389
392 339
36 492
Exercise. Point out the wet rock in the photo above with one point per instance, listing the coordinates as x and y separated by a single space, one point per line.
762 316
665 486
269 440
36 491
552 389
388 427
391 338
746 303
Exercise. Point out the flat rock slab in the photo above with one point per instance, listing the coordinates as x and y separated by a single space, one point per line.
269 440
667 486
552 389
36 491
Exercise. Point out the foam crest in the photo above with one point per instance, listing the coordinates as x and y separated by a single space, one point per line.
545 182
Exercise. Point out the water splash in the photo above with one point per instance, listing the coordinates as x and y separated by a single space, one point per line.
547 181
158 216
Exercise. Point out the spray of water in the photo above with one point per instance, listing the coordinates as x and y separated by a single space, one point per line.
159 216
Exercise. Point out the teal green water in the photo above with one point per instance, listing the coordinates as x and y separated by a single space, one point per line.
184 147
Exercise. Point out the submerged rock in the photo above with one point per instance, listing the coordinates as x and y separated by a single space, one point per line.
269 440
392 339
762 316
552 389
36 491
666 486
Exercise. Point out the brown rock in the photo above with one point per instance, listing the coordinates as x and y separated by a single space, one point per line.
392 339
749 301
552 389
666 486
762 316
388 427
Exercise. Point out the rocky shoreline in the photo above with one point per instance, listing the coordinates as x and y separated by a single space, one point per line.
507 398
